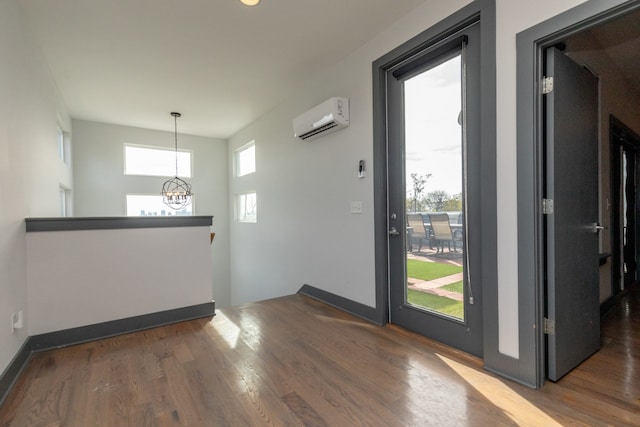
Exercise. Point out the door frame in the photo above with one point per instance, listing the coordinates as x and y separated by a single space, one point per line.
486 277
463 333
531 366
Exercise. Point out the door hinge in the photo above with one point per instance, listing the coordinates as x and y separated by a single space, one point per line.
547 85
549 326
547 206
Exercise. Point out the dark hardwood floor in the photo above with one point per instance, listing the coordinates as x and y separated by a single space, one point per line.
296 361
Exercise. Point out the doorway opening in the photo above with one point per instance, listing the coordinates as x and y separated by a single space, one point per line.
603 39
625 147
436 268
433 118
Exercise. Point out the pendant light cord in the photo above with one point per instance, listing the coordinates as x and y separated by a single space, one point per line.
175 121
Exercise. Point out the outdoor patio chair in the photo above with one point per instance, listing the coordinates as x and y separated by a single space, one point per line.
416 231
441 230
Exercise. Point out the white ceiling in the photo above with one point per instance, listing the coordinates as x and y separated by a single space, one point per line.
218 62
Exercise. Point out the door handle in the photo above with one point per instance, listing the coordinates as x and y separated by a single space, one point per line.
597 228
393 232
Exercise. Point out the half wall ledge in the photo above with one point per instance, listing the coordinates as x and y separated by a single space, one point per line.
114 223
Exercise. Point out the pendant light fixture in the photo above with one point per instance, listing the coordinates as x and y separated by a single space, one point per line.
176 192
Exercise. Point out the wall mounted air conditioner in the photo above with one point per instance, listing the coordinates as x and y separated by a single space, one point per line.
328 117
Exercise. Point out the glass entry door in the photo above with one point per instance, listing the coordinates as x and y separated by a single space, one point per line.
433 174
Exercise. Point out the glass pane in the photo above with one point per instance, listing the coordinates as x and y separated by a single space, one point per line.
63 202
151 205
156 162
247 207
60 137
246 160
434 190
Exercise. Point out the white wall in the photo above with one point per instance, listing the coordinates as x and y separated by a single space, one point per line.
512 16
305 232
30 171
79 278
101 185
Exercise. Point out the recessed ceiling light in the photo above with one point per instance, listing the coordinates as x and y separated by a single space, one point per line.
250 2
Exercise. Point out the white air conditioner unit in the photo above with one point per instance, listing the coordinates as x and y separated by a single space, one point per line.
330 116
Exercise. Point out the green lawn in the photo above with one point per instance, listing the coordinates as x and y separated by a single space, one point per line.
430 270
453 287
442 305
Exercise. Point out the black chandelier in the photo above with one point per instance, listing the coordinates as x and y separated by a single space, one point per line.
176 192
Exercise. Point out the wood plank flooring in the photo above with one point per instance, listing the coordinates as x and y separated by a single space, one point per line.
296 361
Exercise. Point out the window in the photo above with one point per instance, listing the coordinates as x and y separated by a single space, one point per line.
64 198
156 161
151 205
246 207
62 139
245 164
246 159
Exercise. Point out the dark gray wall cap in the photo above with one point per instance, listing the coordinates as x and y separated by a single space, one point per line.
114 223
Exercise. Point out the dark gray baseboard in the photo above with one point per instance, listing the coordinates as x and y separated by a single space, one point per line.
112 328
357 309
15 368
94 332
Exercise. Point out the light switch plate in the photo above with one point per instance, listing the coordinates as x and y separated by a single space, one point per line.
356 207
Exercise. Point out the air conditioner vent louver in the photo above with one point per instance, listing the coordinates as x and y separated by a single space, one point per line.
328 117
319 130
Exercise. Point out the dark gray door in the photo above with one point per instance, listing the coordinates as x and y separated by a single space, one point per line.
433 148
572 233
